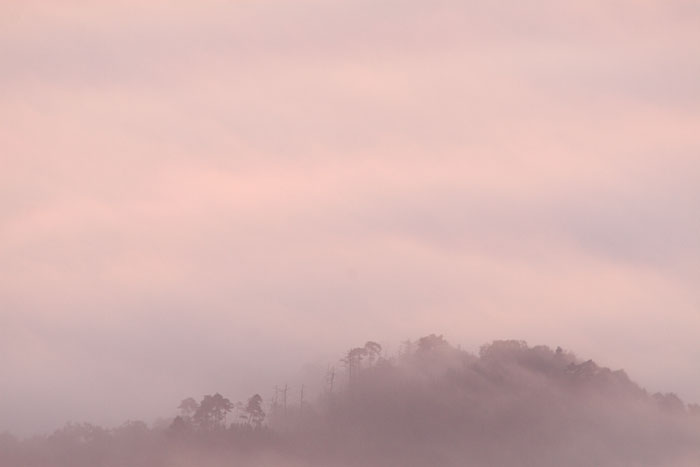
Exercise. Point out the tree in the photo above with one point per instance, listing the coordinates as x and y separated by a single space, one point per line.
373 351
428 343
353 358
669 402
188 407
254 411
694 409
179 427
211 413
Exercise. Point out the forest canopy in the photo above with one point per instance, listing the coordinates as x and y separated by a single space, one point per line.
431 404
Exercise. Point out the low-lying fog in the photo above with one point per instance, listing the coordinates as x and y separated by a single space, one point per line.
431 404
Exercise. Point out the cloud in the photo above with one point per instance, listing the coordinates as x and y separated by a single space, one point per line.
183 181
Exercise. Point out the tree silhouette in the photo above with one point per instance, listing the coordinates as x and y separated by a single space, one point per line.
211 413
373 351
188 407
254 411
353 362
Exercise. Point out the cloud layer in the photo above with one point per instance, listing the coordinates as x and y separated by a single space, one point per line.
199 194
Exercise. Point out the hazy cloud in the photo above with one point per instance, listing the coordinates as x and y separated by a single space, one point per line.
188 182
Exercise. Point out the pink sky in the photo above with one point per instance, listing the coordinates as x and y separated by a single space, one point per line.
201 196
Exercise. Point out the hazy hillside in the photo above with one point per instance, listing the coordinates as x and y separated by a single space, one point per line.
431 405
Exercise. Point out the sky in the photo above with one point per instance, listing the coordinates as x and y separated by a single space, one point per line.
203 196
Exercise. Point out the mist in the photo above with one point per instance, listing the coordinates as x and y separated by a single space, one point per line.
429 404
224 196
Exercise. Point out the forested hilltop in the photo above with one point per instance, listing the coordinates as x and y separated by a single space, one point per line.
431 405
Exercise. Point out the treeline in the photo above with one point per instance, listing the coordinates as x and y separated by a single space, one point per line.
430 405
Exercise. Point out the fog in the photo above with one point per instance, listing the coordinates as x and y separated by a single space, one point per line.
430 404
226 195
